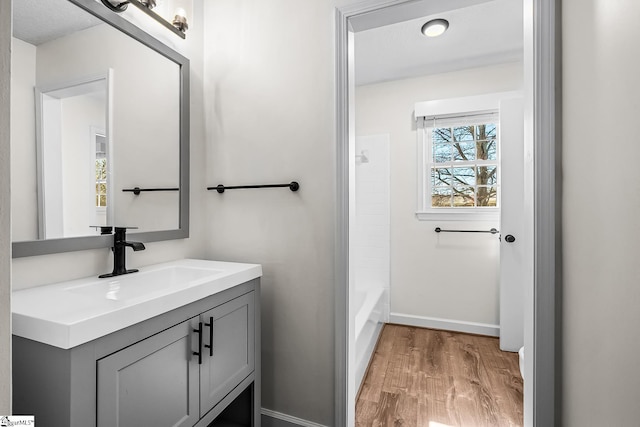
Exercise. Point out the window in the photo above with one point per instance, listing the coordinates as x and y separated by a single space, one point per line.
463 166
459 166
459 157
101 171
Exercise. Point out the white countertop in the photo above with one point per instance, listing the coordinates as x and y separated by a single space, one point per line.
71 313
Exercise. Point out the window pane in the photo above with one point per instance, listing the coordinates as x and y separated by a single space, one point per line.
101 194
464 151
463 133
441 198
464 196
440 177
487 175
487 150
441 135
441 153
457 180
464 176
487 131
101 169
488 196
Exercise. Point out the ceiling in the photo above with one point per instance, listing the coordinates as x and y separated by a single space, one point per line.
388 43
38 21
480 33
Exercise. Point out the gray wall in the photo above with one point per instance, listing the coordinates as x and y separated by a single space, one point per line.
601 368
5 211
269 116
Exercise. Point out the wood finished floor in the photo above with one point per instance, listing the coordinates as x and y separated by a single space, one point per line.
429 378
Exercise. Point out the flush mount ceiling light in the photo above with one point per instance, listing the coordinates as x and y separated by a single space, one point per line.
435 27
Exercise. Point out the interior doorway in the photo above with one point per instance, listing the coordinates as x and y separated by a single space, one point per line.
538 87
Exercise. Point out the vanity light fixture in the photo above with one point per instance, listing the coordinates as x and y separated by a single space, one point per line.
116 6
180 20
178 26
435 27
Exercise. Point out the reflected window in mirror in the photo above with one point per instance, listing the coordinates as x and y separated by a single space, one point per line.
100 165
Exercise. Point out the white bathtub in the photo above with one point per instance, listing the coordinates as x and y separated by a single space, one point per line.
369 319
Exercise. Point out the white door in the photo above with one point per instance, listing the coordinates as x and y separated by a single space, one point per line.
512 242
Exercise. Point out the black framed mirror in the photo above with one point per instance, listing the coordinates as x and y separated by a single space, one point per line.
99 129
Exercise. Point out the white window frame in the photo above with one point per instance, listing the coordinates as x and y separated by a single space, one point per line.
462 107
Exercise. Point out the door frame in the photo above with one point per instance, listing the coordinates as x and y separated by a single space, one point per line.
543 308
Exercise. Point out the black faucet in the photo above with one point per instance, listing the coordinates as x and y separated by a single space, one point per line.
119 245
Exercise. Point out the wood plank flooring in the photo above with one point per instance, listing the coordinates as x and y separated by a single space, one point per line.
429 378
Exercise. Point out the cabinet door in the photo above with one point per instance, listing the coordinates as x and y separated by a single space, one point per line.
229 330
151 383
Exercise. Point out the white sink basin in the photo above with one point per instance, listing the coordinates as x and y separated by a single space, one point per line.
143 284
69 314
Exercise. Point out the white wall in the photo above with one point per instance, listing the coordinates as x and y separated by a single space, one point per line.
269 116
23 147
33 271
601 202
5 210
427 279
372 222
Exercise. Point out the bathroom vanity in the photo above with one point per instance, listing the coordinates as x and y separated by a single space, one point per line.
177 344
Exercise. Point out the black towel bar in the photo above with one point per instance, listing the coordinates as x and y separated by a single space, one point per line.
138 190
440 230
293 186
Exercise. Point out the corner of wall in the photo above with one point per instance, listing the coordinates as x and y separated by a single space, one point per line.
5 209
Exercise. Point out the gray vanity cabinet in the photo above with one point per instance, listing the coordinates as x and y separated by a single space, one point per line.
151 383
229 357
155 382
150 374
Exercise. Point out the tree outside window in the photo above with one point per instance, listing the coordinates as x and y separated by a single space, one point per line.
463 167
101 171
101 183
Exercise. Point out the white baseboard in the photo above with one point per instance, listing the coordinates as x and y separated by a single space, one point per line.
285 420
446 324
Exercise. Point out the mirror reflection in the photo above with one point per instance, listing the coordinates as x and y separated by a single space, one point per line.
94 112
72 143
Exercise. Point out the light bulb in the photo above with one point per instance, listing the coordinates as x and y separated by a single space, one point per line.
180 20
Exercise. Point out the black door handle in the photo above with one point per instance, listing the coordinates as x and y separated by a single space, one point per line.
509 238
210 345
199 352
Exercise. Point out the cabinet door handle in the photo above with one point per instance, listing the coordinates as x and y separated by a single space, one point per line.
199 352
210 345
